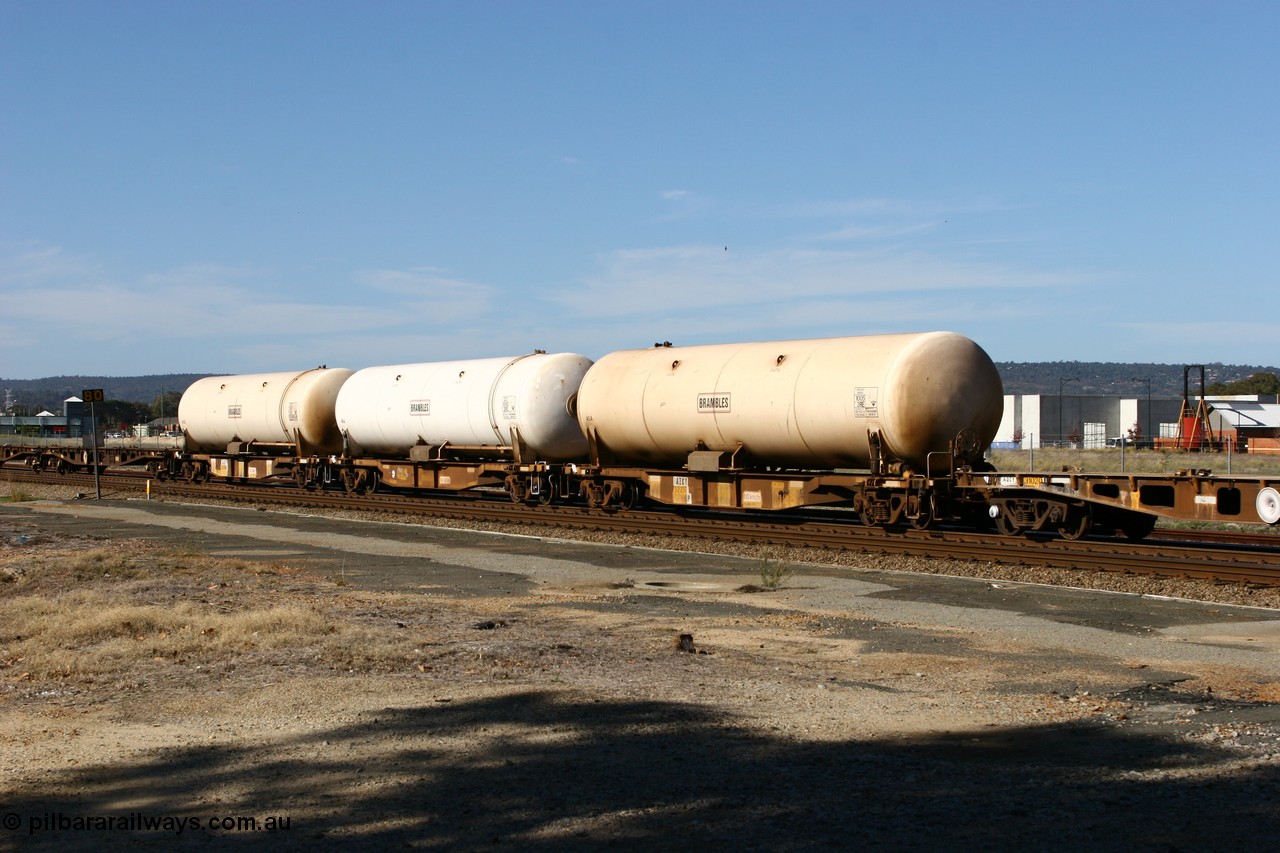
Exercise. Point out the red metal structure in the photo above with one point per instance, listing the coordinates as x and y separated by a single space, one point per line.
1194 430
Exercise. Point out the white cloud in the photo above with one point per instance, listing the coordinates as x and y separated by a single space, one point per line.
28 263
683 204
432 298
669 281
65 315
888 208
877 232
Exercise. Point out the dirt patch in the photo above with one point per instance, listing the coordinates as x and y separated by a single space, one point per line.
141 683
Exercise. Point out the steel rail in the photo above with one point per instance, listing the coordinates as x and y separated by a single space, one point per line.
1236 562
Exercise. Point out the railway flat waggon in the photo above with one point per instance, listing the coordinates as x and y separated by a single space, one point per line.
76 455
892 427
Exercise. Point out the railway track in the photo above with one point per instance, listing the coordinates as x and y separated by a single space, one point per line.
1219 556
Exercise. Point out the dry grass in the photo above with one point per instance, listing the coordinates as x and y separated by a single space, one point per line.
134 613
15 493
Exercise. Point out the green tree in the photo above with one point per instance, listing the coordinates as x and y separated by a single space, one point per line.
165 405
118 414
1258 383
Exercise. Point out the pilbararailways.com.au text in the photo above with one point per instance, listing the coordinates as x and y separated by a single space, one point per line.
140 822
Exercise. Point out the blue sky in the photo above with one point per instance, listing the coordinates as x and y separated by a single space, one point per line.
243 187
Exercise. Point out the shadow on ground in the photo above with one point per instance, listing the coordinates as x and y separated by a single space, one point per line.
536 771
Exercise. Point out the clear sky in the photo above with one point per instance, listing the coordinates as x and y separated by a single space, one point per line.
252 186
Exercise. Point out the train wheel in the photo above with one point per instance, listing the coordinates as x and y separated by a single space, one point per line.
1005 523
546 492
1137 525
922 520
1007 527
358 481
628 497
924 515
1077 523
516 489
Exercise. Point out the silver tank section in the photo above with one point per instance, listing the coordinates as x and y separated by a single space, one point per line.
267 408
800 404
467 404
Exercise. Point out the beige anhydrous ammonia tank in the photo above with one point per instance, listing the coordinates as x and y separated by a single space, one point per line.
475 403
267 408
805 404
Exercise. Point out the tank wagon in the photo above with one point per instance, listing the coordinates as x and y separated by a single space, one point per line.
892 427
456 425
275 409
461 424
900 400
476 408
784 424
253 426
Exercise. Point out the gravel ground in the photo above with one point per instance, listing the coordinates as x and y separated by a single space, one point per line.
1191 589
568 714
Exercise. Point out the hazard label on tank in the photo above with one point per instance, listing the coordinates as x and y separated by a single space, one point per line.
866 402
509 407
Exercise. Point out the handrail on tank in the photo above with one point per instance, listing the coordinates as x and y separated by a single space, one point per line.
928 462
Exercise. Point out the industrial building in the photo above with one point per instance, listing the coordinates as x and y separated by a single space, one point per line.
74 422
1249 423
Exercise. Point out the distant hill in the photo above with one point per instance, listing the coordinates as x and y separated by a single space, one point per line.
1019 377
1115 378
33 395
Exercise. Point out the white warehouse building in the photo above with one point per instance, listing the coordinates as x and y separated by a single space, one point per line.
1097 421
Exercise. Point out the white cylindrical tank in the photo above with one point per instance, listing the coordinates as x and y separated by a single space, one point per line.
267 408
802 404
475 403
